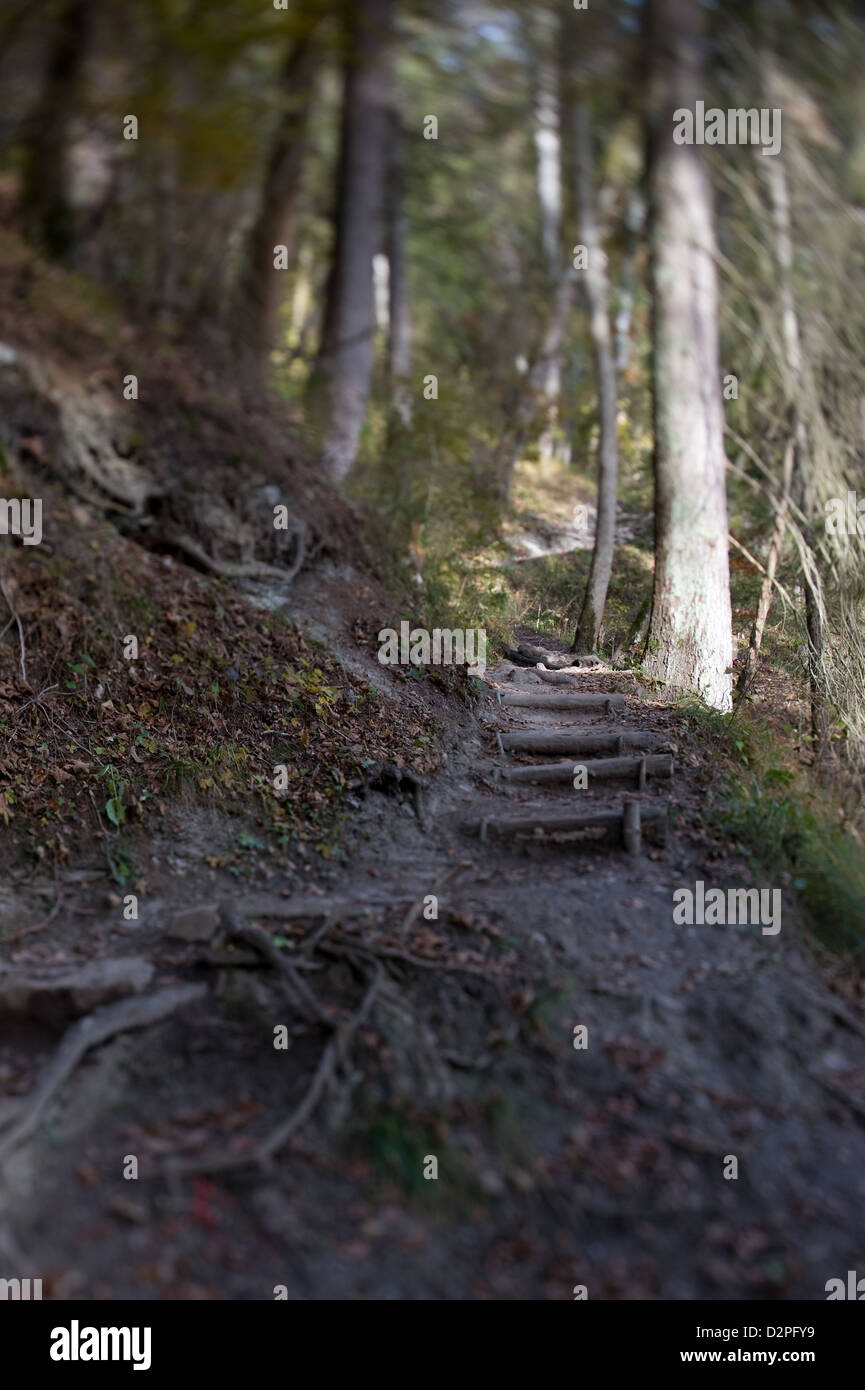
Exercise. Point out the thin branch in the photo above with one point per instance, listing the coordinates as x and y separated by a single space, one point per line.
756 563
13 610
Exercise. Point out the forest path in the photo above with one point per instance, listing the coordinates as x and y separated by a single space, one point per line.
558 1166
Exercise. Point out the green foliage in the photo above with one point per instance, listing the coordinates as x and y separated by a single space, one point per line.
788 827
784 830
115 808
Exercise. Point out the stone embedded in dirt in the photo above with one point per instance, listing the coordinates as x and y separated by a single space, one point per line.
50 993
196 923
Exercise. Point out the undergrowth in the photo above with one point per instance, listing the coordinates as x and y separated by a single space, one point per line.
787 825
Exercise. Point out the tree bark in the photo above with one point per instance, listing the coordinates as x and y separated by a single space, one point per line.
340 385
794 482
634 219
548 145
260 290
596 294
399 343
690 639
45 205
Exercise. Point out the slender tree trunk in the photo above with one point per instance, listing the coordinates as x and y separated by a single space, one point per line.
260 289
690 639
340 386
540 391
596 293
776 542
796 460
45 206
634 219
399 343
548 145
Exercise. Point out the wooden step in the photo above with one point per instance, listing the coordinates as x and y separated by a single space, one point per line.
543 699
649 821
597 769
558 742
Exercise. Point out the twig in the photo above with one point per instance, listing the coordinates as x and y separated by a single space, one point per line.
88 1032
457 1059
34 700
13 610
756 563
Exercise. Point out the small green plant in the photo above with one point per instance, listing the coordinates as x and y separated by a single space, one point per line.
115 808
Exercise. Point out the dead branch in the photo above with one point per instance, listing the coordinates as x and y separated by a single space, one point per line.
757 566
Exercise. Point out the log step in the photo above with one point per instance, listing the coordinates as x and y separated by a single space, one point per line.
566 677
557 742
646 821
597 769
543 699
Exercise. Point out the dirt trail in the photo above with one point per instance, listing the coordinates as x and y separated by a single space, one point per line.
602 1166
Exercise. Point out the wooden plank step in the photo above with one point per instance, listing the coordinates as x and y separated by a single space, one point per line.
597 769
650 822
544 699
558 742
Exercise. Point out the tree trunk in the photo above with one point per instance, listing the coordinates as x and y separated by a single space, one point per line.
634 219
690 639
596 293
340 385
45 205
399 305
260 290
539 393
796 460
548 145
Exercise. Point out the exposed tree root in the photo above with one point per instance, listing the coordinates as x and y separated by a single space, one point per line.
334 1053
88 1032
262 943
250 569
